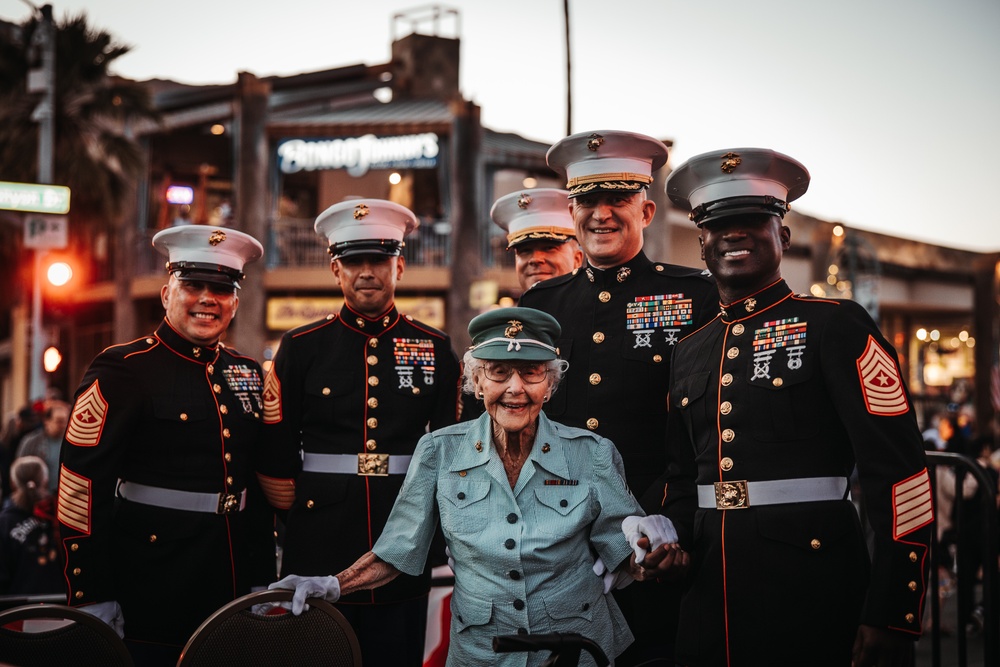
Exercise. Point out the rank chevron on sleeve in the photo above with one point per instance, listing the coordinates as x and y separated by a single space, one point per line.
880 382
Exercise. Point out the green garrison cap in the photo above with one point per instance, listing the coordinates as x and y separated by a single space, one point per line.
736 181
514 334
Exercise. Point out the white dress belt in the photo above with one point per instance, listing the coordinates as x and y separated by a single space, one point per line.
189 501
356 464
740 494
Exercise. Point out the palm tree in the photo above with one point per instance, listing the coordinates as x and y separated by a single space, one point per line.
92 155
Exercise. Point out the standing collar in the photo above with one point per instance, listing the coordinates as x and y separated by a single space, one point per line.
179 344
617 274
371 326
755 303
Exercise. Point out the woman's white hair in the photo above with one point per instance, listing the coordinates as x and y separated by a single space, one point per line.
556 367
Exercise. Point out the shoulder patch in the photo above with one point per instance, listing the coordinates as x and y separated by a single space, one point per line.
87 420
272 398
880 382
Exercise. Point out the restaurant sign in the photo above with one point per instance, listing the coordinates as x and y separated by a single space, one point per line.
359 154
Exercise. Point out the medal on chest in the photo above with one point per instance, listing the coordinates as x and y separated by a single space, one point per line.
246 384
666 312
414 357
788 335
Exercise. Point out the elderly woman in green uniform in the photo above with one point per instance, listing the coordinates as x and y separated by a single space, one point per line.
526 505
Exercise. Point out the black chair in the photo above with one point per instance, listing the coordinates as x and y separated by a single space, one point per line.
235 635
565 648
83 640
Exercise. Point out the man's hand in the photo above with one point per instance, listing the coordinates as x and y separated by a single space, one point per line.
110 613
665 563
327 588
879 647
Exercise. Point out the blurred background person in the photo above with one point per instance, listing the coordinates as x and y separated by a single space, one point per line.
46 441
30 559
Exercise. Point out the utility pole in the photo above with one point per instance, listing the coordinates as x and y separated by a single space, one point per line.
569 79
43 81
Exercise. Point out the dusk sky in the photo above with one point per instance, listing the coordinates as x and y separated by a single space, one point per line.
893 105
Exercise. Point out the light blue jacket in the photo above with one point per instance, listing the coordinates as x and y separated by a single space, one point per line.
523 556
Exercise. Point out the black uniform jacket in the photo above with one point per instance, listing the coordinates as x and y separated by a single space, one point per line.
164 412
780 387
619 327
351 385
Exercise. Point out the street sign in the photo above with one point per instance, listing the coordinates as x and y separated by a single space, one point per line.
34 197
46 232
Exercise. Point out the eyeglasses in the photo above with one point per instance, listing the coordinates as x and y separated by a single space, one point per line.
530 374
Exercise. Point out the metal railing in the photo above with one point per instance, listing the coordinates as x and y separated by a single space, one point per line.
980 554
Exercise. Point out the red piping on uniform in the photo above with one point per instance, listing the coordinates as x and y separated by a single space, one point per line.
225 469
364 439
718 457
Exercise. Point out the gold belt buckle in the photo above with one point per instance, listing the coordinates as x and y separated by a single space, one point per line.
228 503
373 465
731 495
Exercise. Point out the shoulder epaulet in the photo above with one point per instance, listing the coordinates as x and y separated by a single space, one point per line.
313 326
802 296
425 327
675 271
554 282
131 347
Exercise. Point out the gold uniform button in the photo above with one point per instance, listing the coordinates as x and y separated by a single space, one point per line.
152 539
229 480
372 422
373 342
657 358
184 416
592 424
479 445
684 401
595 378
738 330
726 407
78 595
910 618
226 433
659 267
74 547
217 388
326 391
149 340
726 464
546 448
372 402
373 381
370 445
223 409
777 382
912 585
913 557
604 297
598 337
416 391
727 379
733 352
815 544
372 360
728 435
310 504
77 571
228 456
210 368
462 473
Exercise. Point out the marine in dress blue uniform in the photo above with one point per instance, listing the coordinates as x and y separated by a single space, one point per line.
621 317
354 393
157 459
772 404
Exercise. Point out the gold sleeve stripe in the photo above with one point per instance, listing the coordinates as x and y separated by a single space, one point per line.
87 421
279 492
272 398
912 505
74 501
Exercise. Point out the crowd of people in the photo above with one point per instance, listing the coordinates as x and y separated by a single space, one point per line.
657 457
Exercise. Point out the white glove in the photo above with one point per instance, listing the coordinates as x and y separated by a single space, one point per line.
110 613
612 580
658 528
451 559
326 588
